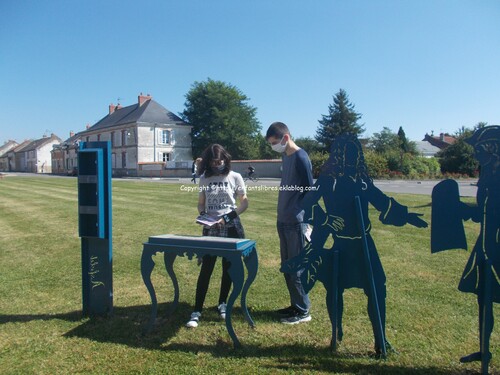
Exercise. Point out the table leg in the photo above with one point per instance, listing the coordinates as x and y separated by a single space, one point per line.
251 263
147 265
236 272
169 266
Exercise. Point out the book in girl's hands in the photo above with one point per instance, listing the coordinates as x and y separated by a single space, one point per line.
208 220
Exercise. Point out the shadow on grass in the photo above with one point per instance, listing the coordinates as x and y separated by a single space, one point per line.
73 316
127 326
422 205
127 323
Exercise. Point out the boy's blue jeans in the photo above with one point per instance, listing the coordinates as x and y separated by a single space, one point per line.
291 244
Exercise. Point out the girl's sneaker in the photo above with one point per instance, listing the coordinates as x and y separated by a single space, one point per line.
194 320
222 310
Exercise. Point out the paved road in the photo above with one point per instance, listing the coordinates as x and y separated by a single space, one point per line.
467 188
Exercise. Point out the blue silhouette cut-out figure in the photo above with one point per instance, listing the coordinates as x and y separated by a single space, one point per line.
482 271
352 262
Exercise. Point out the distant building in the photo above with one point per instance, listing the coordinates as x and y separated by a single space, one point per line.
64 155
431 144
144 137
11 156
7 146
4 159
426 149
442 141
36 157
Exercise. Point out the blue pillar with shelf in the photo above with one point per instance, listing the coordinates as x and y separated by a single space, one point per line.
95 227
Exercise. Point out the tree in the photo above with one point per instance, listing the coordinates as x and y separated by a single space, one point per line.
308 144
384 142
395 148
404 143
341 119
265 151
219 113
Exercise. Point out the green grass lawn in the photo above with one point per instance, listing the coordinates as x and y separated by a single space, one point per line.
429 322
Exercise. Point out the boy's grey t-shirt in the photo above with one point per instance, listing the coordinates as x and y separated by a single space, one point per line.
296 176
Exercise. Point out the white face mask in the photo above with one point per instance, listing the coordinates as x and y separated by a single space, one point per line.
278 147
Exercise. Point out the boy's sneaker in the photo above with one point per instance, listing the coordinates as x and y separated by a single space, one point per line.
297 317
222 310
194 320
286 311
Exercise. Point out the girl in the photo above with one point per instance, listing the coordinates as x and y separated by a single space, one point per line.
219 187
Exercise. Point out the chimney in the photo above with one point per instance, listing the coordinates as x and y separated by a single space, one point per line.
112 108
441 137
71 134
118 106
88 126
143 98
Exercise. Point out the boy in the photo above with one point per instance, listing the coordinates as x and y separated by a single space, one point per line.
295 179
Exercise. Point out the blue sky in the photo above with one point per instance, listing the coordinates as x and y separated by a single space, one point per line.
428 65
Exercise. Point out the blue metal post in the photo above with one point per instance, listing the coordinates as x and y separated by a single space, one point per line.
95 224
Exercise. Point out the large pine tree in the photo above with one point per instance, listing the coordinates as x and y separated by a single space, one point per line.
341 119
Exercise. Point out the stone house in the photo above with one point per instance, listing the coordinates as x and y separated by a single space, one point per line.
36 156
4 158
64 155
145 137
431 144
442 141
11 156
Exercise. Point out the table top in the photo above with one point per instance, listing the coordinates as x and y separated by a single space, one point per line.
201 242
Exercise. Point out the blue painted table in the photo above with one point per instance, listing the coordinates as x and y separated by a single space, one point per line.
237 251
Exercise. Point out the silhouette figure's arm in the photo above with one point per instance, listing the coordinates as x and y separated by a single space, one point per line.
392 212
470 212
310 203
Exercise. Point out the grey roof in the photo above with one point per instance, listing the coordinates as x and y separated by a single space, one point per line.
149 112
37 143
7 146
426 148
71 142
21 146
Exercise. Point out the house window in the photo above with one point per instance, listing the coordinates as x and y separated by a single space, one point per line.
124 159
112 139
165 137
87 138
124 137
166 156
98 137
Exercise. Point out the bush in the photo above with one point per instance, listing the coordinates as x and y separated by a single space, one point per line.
393 160
388 165
376 164
318 158
458 158
434 167
412 166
